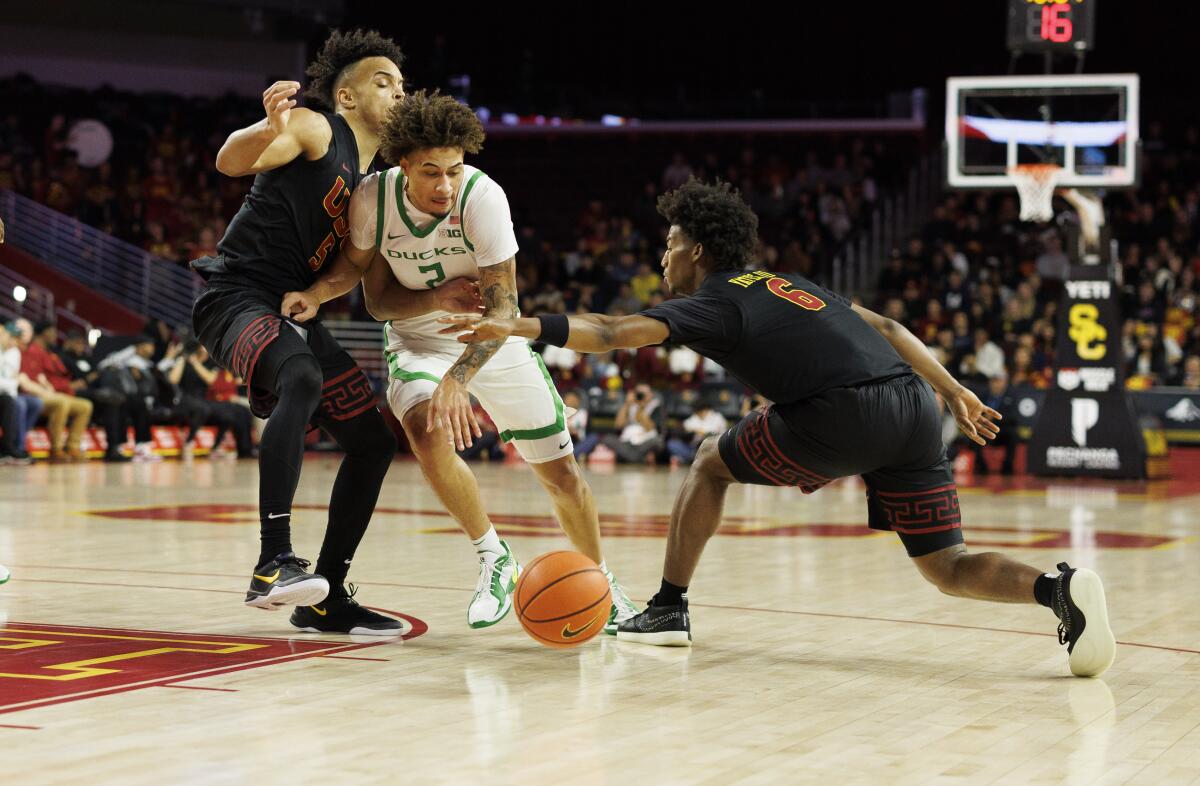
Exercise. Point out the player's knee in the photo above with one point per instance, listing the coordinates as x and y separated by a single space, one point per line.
942 569
425 445
562 477
300 378
708 461
374 441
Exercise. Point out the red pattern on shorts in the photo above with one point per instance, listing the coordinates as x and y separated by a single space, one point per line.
347 395
758 448
921 512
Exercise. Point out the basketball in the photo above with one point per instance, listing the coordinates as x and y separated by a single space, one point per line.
562 599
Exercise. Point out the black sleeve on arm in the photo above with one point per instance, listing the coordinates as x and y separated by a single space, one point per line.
707 325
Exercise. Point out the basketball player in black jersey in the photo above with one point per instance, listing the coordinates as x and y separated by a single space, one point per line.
306 164
846 402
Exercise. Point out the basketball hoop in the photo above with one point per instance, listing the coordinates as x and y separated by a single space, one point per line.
1035 185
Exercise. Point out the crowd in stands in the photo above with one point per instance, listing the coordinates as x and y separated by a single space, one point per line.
978 286
152 379
159 190
981 289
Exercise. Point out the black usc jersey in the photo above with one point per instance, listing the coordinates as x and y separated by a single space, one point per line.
292 222
785 337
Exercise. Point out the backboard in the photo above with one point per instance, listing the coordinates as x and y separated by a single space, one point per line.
1085 123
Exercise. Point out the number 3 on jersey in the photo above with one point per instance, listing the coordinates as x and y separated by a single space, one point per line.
798 296
440 277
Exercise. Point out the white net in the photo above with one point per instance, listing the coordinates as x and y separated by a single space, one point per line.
1035 185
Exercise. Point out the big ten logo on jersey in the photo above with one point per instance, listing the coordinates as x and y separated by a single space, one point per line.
335 203
449 232
1086 331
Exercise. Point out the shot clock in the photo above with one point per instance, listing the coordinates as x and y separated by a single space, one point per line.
1051 25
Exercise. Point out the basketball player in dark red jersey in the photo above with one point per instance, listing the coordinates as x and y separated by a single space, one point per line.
847 402
306 164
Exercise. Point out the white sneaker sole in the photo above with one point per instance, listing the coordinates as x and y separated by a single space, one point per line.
302 593
501 614
669 638
361 632
1095 650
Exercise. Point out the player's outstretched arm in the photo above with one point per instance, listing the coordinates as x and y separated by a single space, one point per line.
976 420
278 138
590 333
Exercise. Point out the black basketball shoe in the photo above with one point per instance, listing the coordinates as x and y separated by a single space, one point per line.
664 626
1079 604
340 613
284 582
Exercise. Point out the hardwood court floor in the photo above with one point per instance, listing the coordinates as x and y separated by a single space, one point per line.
126 656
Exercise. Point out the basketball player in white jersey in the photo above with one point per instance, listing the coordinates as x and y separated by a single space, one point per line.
423 231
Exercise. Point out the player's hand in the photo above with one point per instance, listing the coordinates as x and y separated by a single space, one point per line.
450 409
459 296
478 328
278 102
300 306
974 419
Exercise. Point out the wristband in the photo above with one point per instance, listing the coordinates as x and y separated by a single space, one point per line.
555 329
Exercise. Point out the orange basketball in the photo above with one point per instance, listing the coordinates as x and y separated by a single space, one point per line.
562 599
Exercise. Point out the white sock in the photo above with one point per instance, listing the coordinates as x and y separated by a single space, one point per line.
488 545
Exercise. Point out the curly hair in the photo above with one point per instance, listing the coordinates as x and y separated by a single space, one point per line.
424 120
716 217
340 51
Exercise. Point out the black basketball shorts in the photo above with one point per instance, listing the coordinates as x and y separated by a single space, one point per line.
245 333
889 432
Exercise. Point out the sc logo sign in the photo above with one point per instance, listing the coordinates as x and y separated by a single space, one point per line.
1087 333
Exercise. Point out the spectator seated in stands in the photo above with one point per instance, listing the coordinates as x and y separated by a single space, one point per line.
47 378
639 439
231 390
989 358
999 397
577 424
113 408
187 369
131 371
704 422
1189 373
18 410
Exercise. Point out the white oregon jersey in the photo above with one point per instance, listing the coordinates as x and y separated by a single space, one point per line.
425 251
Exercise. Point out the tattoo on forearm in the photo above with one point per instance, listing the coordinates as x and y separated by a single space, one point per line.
499 300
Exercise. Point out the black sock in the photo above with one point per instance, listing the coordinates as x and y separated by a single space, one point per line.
669 594
1043 589
370 447
281 452
276 536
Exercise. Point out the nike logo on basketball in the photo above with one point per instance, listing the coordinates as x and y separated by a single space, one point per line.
278 515
567 633
267 579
